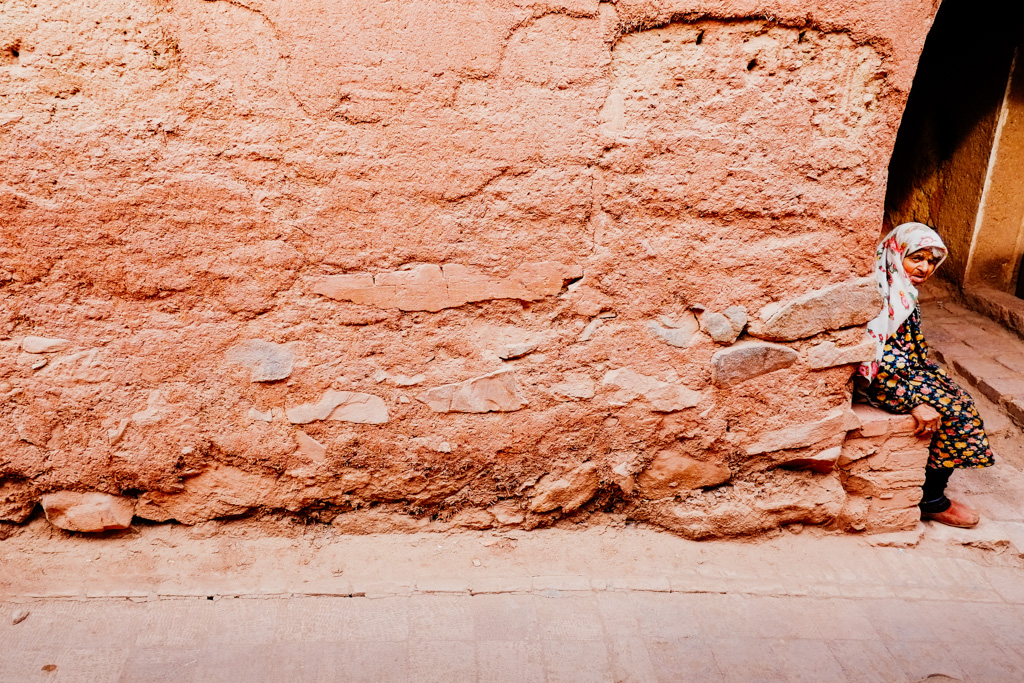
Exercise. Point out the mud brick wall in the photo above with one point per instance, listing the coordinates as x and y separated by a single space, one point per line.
429 263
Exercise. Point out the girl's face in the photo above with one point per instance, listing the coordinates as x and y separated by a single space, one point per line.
920 265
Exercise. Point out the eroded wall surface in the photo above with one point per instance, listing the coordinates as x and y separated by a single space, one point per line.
412 263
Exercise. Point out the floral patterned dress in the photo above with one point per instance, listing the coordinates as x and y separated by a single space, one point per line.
906 379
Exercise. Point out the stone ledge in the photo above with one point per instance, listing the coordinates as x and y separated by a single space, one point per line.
881 467
990 361
1005 309
875 422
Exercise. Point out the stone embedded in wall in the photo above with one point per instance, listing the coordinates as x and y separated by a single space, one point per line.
217 492
407 381
726 326
346 406
587 301
494 392
430 287
268 361
567 492
309 448
718 328
836 422
85 367
472 518
155 412
663 397
223 490
828 355
621 476
507 342
88 512
749 359
513 351
676 332
507 512
737 315
399 380
260 415
875 422
673 471
575 386
32 344
835 307
789 497
115 433
590 329
823 461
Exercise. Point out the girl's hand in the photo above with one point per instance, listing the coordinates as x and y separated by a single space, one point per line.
927 419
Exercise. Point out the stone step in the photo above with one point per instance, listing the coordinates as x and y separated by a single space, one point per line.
989 360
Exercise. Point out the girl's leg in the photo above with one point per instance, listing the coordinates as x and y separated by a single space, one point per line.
934 498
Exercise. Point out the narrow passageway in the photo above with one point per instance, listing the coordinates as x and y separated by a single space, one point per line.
959 154
986 356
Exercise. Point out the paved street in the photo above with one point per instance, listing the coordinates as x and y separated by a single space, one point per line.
549 636
613 604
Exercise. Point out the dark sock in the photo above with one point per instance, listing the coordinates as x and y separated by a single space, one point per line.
933 498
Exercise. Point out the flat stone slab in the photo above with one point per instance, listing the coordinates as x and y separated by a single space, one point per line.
346 406
828 355
494 392
844 304
433 287
268 361
747 360
663 397
875 422
836 422
32 344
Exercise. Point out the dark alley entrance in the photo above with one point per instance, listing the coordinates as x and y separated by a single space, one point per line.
959 155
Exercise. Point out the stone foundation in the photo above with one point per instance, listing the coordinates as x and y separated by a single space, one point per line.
871 483
882 467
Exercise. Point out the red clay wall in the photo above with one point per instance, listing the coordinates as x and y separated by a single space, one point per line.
442 262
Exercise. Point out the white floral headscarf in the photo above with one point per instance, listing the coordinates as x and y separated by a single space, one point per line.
898 292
